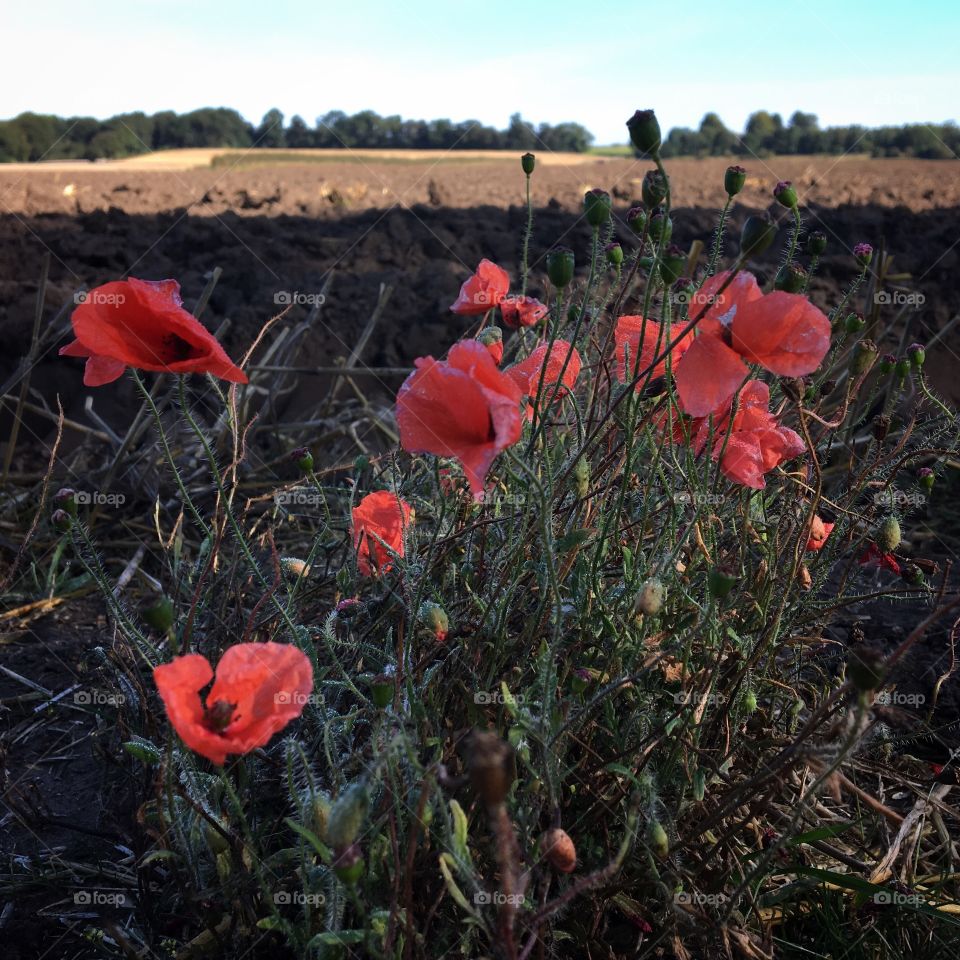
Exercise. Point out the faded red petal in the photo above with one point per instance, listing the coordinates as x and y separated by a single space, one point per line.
483 291
267 685
379 516
526 374
462 407
819 531
708 375
142 324
783 332
874 555
522 311
722 308
638 341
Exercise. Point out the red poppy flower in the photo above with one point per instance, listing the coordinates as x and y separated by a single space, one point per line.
874 555
819 531
142 324
461 407
379 516
483 291
782 332
259 688
526 374
522 311
757 442
627 338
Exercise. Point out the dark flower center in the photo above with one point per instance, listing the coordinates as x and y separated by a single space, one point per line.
219 716
176 349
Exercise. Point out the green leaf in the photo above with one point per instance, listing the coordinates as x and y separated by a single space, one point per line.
144 750
323 851
455 892
460 832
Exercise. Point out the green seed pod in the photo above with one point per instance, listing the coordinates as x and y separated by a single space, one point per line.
347 815
381 690
785 194
614 254
159 615
916 355
854 323
734 179
657 838
816 243
596 207
650 598
864 358
560 263
757 235
791 278
653 189
637 219
348 865
926 478
888 535
645 132
528 161
303 458
660 227
750 701
61 520
672 264
66 499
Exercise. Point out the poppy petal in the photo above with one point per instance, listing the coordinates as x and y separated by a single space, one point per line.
707 376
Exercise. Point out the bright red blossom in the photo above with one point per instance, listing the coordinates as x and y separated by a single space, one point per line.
483 291
782 332
527 373
461 407
142 324
379 516
522 311
819 531
874 555
259 688
634 336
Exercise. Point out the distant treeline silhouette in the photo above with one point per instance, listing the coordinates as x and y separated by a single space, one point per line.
32 136
766 133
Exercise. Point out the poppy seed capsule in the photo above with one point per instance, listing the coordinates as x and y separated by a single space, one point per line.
672 264
614 254
863 254
785 194
381 691
528 161
733 180
750 701
61 520
596 207
657 838
926 478
560 263
653 189
864 358
816 243
645 132
660 227
347 816
66 499
917 355
902 369
854 323
888 536
637 218
791 278
303 458
558 850
757 235
650 598
491 765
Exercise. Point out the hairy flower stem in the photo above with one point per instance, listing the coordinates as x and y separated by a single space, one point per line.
794 236
526 242
718 238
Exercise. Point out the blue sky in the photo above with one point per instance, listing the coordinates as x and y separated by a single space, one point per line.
552 60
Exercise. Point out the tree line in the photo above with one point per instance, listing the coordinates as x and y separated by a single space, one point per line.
33 136
766 134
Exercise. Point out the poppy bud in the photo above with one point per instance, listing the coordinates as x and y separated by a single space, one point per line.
348 865
645 132
926 478
657 838
581 477
720 582
491 765
672 264
61 520
864 358
347 815
381 690
66 499
750 701
560 266
650 598
791 278
660 227
887 362
785 195
880 427
637 218
492 339
614 254
757 234
303 458
596 207
902 369
558 850
653 189
888 535
865 668
159 615
912 574
854 323
434 617
528 161
816 243
863 254
321 815
734 179
917 355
